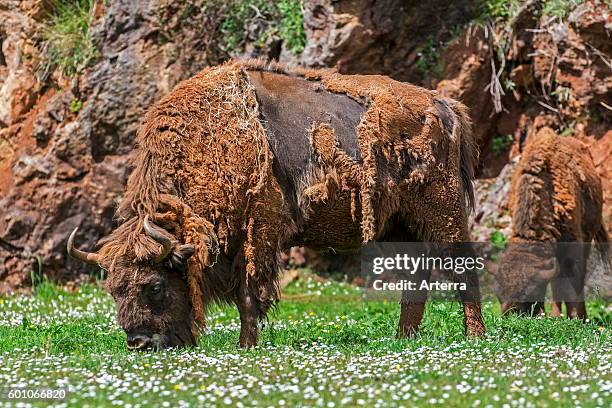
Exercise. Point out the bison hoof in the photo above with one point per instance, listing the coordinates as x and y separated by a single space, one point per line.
476 332
407 332
247 343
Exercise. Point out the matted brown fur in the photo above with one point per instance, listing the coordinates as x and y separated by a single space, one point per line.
204 172
401 122
556 196
564 190
214 112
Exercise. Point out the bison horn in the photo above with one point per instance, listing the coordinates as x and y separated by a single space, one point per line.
88 257
154 232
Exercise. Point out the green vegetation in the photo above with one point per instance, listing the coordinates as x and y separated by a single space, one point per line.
501 144
567 130
323 346
429 51
428 54
506 10
75 105
499 242
498 239
562 93
283 19
291 28
559 8
502 10
67 43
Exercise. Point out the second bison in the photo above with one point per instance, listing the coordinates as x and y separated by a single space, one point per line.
556 204
245 160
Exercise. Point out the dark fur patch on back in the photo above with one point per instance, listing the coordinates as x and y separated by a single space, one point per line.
289 105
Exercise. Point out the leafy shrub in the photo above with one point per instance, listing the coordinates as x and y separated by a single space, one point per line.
498 239
241 13
283 18
559 8
502 10
428 54
67 43
292 25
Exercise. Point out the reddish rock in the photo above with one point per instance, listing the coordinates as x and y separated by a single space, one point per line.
377 37
60 168
601 150
467 75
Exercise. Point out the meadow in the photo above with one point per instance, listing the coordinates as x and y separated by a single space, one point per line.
323 346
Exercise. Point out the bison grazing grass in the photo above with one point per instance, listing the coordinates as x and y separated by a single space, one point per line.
246 159
555 198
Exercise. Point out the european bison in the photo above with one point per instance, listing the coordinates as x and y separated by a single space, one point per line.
247 159
556 200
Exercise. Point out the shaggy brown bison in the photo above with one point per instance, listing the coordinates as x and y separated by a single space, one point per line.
555 200
246 159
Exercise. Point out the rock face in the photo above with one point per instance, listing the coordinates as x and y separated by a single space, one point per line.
61 169
554 76
65 141
491 210
377 37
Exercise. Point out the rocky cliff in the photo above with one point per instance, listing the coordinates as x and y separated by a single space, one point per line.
76 77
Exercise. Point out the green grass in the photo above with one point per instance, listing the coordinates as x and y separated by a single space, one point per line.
323 346
67 43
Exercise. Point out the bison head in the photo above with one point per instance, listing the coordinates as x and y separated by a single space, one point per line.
524 271
152 295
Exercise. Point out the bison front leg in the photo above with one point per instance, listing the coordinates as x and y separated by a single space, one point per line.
248 307
411 315
469 290
568 286
412 308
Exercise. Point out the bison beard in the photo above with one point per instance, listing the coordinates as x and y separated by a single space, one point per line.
247 159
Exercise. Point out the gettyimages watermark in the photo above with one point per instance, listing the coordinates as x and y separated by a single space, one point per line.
509 272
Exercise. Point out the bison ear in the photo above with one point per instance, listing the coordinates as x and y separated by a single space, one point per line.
180 256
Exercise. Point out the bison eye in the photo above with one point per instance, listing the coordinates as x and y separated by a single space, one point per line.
155 291
156 288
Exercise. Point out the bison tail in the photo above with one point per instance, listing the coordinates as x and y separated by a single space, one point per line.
468 150
456 122
602 242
